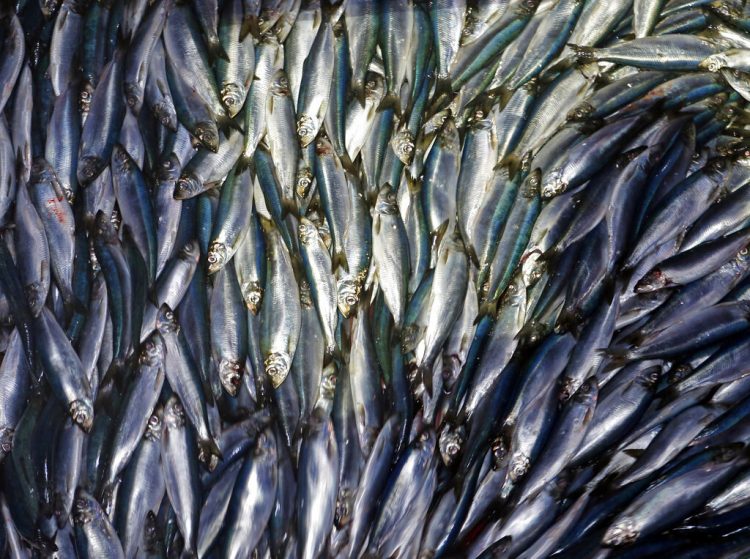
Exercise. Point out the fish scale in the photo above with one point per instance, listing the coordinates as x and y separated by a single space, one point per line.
359 279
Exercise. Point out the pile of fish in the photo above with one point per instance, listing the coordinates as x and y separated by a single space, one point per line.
381 279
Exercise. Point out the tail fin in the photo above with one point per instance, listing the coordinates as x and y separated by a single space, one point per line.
391 101
215 50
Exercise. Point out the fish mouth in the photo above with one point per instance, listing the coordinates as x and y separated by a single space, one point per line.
622 533
217 257
230 375
306 127
277 368
82 414
252 293
232 97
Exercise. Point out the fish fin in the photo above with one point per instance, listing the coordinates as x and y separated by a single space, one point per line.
512 161
412 183
583 55
339 259
225 122
244 163
391 101
348 164
439 233
487 308
443 87
617 356
288 207
215 50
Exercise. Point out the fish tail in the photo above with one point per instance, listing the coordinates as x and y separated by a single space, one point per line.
391 101
339 259
215 50
249 27
225 122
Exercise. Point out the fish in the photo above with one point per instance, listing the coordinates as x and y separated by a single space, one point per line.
340 278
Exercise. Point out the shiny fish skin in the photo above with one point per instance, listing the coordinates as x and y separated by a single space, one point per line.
358 279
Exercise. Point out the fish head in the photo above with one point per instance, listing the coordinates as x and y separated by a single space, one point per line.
386 202
553 184
530 187
307 127
233 97
152 350
84 101
652 281
519 465
217 256
276 366
568 387
344 502
89 167
528 7
280 84
6 440
174 414
190 252
587 393
450 443
153 427
187 186
252 294
532 268
208 135
328 383
308 232
581 112
679 373
133 96
82 413
104 228
623 532
409 335
304 179
650 377
121 160
403 145
168 170
743 255
374 86
83 508
499 452
166 114
230 375
725 9
35 297
715 62
166 321
348 296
